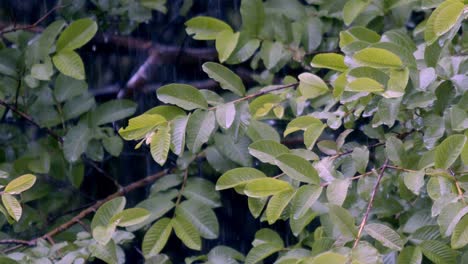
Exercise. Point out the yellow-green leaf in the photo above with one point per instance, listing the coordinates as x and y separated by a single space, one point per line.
205 28
77 34
186 232
226 42
238 176
12 206
263 187
442 19
330 61
365 85
182 95
69 63
20 184
156 237
377 58
311 85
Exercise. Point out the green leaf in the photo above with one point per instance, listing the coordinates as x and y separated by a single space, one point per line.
202 191
352 9
20 184
444 17
438 252
298 225
226 78
139 126
78 106
201 216
263 187
106 211
330 61
112 111
261 252
160 143
75 142
205 28
106 253
450 216
158 207
312 133
131 216
337 191
311 86
301 123
361 158
397 83
395 150
256 205
113 145
244 50
156 237
460 234
225 115
238 176
267 235
186 232
267 150
304 198
343 220
377 58
76 34
69 63
297 168
448 151
200 126
385 235
178 129
42 71
253 17
182 95
272 53
277 204
258 130
236 151
365 85
12 206
414 181
410 255
223 254
226 42
169 112
328 258
159 5
66 87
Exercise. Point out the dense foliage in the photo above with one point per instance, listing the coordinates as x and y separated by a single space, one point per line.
353 132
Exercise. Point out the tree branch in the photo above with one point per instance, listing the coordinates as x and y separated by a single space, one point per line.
32 26
371 202
30 120
75 220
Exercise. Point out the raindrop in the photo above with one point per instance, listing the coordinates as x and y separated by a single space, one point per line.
106 39
94 48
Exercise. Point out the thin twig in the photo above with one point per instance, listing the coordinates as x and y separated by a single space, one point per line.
30 120
15 241
357 177
103 172
262 92
179 196
135 185
400 168
35 24
371 202
457 184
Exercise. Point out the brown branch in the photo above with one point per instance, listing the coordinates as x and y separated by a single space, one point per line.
371 202
77 219
32 26
30 120
15 241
